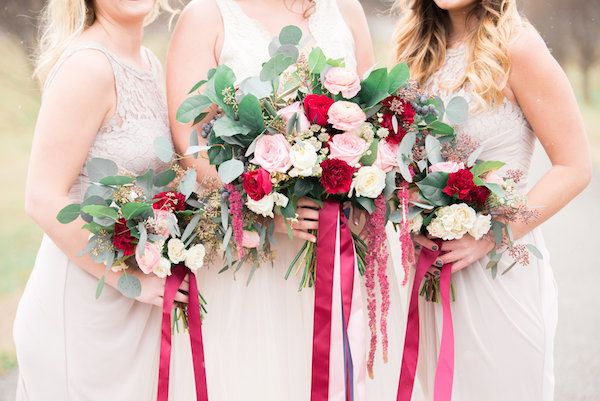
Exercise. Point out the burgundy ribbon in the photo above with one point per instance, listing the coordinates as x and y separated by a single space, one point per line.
173 282
444 372
329 216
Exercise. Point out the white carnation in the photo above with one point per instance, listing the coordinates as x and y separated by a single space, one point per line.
416 223
452 222
176 250
369 182
163 269
303 156
482 226
194 259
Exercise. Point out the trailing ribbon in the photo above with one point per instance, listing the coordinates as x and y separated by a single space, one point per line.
332 226
444 373
173 282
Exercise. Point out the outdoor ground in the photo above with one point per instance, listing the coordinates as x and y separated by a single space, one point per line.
572 236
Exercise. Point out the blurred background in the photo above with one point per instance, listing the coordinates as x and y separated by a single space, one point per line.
572 31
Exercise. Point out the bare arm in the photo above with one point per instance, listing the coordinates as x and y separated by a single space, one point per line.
194 49
544 93
356 19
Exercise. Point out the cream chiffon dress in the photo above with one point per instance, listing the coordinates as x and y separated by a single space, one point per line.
258 337
504 327
69 345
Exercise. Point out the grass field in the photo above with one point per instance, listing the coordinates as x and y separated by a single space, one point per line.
19 238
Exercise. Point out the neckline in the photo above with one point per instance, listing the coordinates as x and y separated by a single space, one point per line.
260 26
456 50
149 72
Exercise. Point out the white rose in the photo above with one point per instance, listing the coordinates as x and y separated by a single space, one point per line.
482 226
452 222
176 250
369 181
303 156
416 223
163 269
194 259
264 207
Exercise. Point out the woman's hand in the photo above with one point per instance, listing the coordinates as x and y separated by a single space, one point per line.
153 288
465 251
308 220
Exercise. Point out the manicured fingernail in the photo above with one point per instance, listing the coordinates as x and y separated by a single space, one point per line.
439 263
435 248
418 247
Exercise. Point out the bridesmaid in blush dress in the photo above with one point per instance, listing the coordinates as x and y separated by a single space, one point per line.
484 51
103 98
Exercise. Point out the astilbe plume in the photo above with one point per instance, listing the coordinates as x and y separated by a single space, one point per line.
408 248
236 208
376 260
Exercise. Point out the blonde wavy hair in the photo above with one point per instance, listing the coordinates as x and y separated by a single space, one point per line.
62 21
422 39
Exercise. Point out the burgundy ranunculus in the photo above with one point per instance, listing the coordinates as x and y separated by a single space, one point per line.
123 240
337 176
460 184
316 108
170 201
257 183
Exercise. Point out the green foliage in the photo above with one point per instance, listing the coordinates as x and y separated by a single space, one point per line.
164 149
251 115
134 209
375 88
369 158
398 77
273 68
192 107
290 35
230 170
228 127
69 213
316 61
165 178
101 211
431 188
116 180
457 110
98 168
129 286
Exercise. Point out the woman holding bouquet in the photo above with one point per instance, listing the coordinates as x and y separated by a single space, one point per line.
484 51
259 335
102 98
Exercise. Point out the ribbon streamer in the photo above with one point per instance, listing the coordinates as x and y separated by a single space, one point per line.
173 282
444 373
332 227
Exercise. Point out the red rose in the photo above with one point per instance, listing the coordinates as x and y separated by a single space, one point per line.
170 201
316 108
480 195
257 183
337 176
123 240
460 184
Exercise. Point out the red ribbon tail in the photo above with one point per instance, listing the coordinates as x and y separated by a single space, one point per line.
195 330
444 373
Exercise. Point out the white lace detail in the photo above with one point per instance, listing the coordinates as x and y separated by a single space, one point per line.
246 40
503 131
141 116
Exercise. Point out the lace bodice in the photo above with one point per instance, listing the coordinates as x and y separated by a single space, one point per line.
246 40
141 116
503 131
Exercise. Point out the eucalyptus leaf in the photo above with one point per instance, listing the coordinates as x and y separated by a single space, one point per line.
197 86
164 178
367 203
194 150
441 129
457 110
101 211
252 146
480 169
192 107
290 51
100 286
370 155
98 168
230 170
535 251
224 215
405 155
390 184
100 191
433 148
69 213
224 81
273 46
256 86
129 286
116 180
375 87
316 61
133 209
431 188
290 35
226 127
164 149
250 114
474 156
398 77
188 183
191 226
141 246
273 68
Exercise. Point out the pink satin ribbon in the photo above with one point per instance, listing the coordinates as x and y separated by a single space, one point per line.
329 217
444 373
173 282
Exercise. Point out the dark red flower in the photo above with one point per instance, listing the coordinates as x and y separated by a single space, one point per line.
316 108
405 115
480 195
122 239
257 183
394 137
337 176
170 201
460 184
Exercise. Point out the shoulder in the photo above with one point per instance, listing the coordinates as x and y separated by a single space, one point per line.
197 12
84 71
352 10
200 23
527 49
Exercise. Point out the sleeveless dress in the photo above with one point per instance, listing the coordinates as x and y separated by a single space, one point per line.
69 345
258 335
503 327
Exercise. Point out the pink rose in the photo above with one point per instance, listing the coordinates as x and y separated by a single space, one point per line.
446 167
162 218
346 116
295 108
150 260
347 147
493 178
251 239
387 156
272 153
342 80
